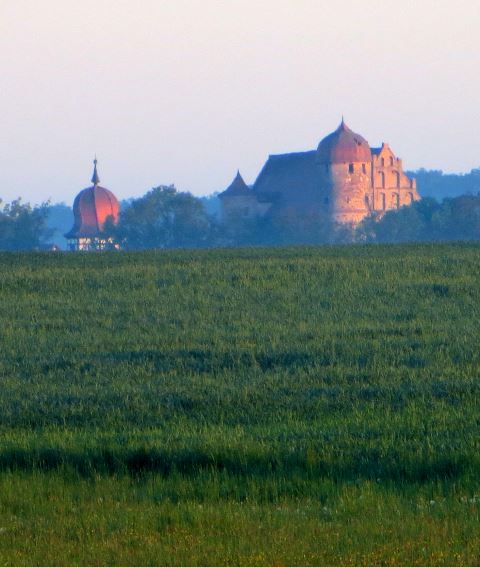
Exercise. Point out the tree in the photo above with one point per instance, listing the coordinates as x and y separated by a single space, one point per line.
23 226
458 219
164 218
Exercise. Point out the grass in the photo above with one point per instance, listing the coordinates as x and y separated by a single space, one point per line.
298 406
174 522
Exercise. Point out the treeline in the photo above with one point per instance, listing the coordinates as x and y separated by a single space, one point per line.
426 220
455 218
167 218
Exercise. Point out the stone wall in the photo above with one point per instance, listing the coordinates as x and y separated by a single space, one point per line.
350 191
242 207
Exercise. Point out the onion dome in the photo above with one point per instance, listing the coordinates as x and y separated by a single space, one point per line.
343 146
91 209
237 188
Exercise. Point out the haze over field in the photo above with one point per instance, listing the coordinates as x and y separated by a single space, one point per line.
187 91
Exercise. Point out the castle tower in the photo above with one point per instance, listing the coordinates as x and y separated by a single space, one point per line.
344 163
238 201
92 208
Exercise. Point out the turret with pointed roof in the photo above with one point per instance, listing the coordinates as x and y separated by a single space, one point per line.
238 187
239 201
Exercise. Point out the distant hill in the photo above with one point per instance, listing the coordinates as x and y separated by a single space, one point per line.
435 183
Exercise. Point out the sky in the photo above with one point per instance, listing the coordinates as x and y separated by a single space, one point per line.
189 91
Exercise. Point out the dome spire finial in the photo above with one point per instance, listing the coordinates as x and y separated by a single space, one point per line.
342 126
95 177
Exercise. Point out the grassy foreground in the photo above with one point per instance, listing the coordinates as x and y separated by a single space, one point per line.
301 406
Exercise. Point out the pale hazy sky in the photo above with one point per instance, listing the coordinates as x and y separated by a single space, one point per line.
187 91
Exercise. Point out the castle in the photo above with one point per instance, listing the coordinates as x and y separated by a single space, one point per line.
344 178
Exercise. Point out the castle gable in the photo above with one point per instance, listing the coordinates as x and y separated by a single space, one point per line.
388 170
392 188
384 157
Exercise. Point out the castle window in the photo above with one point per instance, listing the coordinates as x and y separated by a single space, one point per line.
391 160
364 168
397 179
383 162
396 200
411 197
351 169
411 183
367 201
382 201
382 179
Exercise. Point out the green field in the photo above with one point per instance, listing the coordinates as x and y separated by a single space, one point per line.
281 407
